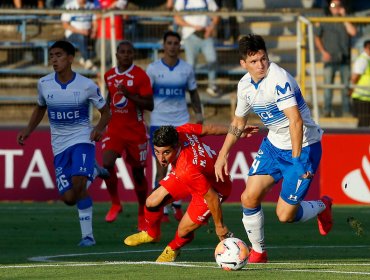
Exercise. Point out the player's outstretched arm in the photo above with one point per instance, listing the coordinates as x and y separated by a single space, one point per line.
235 131
216 129
36 117
196 105
214 206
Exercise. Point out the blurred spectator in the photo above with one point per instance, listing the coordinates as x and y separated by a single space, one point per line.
197 34
333 40
118 27
361 77
78 29
19 4
169 4
49 4
230 25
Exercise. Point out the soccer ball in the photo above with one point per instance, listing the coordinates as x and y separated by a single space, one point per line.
231 254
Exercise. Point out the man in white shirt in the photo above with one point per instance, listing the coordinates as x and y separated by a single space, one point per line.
197 35
66 96
291 152
78 29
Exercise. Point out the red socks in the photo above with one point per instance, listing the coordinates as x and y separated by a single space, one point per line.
179 242
153 220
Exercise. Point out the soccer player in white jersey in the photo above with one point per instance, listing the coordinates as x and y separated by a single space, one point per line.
171 77
291 151
67 96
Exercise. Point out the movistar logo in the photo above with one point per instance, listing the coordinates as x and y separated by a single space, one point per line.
283 90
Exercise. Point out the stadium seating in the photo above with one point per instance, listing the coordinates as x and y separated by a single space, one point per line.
25 41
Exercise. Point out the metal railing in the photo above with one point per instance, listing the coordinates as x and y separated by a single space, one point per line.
305 42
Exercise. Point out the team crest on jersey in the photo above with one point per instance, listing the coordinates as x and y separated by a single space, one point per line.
130 83
119 100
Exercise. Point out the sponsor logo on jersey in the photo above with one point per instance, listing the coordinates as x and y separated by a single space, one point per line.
266 115
280 90
119 100
170 92
60 115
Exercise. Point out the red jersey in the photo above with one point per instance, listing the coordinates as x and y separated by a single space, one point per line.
126 116
118 23
195 164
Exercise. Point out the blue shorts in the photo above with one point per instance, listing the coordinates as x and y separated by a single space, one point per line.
77 160
278 164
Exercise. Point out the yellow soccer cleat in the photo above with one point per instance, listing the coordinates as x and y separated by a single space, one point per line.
168 255
139 238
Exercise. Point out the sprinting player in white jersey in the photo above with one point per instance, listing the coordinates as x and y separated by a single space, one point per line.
171 77
67 96
291 151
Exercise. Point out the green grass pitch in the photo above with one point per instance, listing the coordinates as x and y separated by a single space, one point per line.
39 241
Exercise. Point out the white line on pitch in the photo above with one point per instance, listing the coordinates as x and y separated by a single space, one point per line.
49 258
179 264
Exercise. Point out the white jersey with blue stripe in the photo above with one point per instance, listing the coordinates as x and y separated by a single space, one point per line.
169 91
68 107
268 98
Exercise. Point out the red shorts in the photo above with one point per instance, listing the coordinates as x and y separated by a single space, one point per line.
136 151
198 209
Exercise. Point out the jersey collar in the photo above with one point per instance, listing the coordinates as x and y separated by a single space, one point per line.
171 68
64 86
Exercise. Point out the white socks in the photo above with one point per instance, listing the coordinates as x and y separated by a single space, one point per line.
85 216
310 209
254 226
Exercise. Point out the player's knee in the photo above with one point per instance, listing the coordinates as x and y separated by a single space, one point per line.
249 201
152 204
69 199
285 217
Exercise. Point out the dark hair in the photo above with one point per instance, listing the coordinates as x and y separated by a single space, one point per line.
251 44
165 136
367 42
65 46
125 42
171 33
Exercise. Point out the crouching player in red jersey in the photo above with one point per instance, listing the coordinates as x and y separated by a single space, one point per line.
192 174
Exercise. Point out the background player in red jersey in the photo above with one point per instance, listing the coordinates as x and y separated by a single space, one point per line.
192 174
129 93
